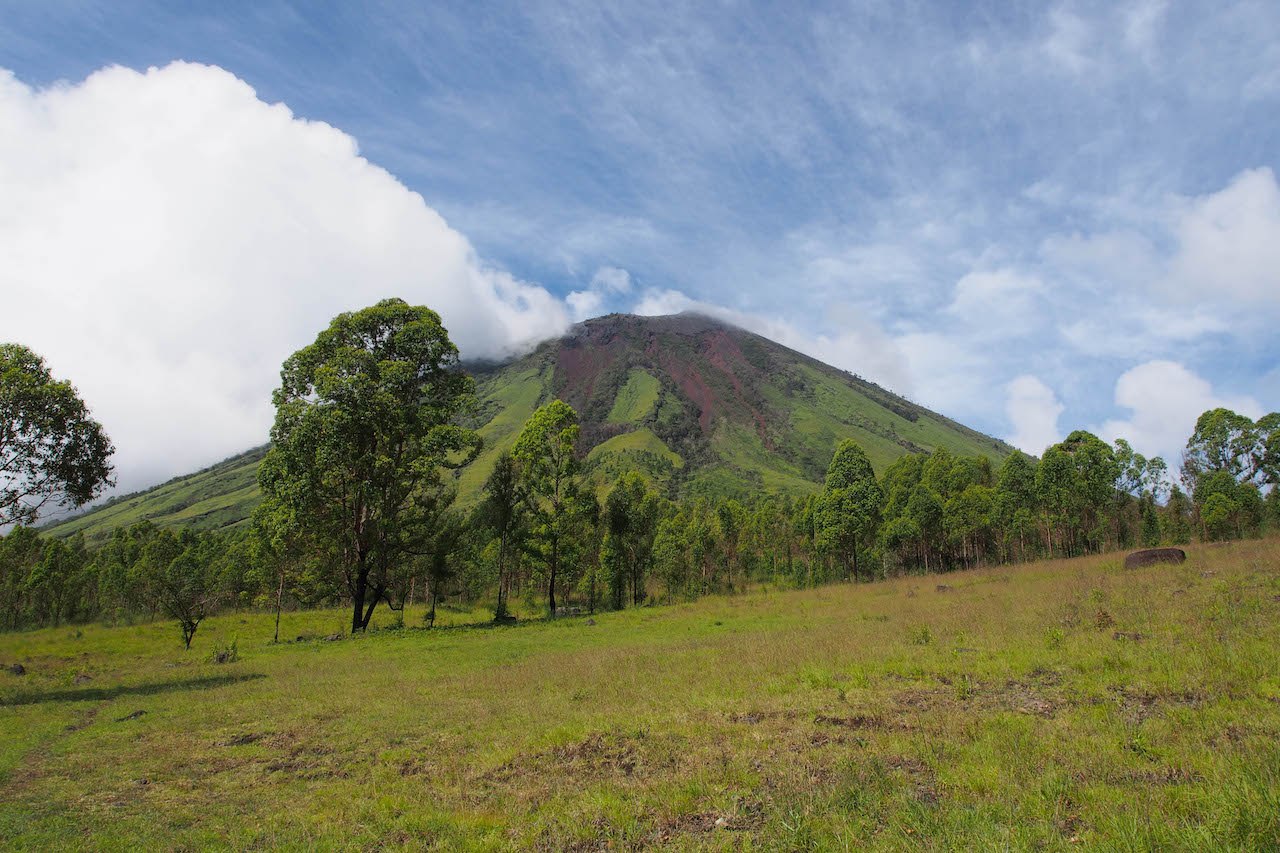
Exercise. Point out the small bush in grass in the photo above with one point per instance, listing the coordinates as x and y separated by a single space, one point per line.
921 636
225 654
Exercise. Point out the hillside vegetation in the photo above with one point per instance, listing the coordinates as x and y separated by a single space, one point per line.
698 407
220 497
1029 707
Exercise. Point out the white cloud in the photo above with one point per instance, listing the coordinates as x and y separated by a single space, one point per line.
1229 242
999 303
611 280
168 239
1164 399
1033 410
585 304
606 286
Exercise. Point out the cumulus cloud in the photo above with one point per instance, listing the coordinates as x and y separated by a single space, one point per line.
606 285
1164 399
1229 242
169 239
1033 410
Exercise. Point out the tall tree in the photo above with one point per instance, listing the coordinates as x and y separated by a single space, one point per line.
1226 441
366 421
1076 484
848 514
547 450
502 510
51 451
631 513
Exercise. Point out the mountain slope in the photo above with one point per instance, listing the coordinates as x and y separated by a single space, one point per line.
220 496
697 406
707 408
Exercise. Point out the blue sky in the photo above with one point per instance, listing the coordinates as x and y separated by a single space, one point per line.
1033 217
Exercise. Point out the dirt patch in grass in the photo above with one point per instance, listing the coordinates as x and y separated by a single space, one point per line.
1139 704
863 721
599 755
754 717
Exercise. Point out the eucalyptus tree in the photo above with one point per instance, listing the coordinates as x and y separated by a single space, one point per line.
502 510
366 425
631 514
1075 484
51 451
1226 441
848 512
547 451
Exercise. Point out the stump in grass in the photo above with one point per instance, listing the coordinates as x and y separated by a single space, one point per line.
1151 556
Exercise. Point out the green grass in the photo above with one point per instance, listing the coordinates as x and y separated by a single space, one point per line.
1039 707
636 399
216 498
516 397
637 441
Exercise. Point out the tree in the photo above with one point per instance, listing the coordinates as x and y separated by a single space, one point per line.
51 451
631 518
1015 502
850 505
1225 441
178 578
1075 483
365 425
503 511
547 452
278 544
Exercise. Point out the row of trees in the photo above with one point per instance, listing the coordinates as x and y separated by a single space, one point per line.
359 508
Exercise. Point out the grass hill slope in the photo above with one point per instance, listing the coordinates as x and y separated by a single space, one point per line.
696 405
1056 706
219 497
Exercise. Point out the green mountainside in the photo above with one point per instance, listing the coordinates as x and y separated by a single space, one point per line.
697 406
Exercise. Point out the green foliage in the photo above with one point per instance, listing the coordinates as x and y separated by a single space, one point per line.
366 421
631 513
503 512
1075 485
1230 443
848 514
637 399
546 451
51 451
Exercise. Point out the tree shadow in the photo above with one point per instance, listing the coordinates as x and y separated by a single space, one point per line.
97 694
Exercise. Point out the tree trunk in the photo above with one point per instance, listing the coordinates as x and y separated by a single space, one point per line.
279 600
551 585
357 597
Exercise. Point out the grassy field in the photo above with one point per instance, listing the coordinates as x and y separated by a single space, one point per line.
1051 706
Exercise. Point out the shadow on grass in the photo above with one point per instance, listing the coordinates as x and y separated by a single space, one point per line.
94 694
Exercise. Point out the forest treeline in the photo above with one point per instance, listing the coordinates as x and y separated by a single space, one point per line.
358 509
924 513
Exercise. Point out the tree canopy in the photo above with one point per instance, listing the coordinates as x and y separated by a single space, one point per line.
366 422
51 450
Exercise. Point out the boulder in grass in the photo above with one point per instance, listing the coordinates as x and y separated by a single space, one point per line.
17 669
1152 556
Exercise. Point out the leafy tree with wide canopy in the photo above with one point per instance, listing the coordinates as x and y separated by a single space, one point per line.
366 425
51 451
1226 441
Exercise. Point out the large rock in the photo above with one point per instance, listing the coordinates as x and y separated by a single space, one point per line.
1151 556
